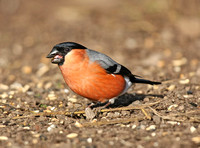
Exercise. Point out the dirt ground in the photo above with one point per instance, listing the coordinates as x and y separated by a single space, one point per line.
158 40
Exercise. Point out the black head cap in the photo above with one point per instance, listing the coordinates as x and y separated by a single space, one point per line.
62 49
71 45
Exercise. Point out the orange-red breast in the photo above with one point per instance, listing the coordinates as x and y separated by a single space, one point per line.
92 74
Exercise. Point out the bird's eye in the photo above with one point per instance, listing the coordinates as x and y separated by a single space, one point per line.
66 50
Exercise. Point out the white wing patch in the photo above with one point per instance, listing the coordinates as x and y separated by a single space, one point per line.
127 86
118 68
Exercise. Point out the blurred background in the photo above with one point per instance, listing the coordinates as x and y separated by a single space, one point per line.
156 39
149 36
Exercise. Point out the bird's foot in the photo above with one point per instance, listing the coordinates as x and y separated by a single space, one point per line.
94 109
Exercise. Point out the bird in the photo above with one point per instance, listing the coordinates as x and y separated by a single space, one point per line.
92 74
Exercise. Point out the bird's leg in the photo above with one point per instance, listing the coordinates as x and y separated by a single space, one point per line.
94 109
98 104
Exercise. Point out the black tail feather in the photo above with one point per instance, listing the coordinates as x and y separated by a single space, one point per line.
137 80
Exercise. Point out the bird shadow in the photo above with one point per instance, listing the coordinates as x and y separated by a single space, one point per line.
127 99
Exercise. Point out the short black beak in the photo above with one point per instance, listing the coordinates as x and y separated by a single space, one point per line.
53 52
49 55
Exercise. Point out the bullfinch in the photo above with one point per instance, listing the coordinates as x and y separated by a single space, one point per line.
92 74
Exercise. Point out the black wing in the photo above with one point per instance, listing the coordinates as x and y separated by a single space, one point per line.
107 63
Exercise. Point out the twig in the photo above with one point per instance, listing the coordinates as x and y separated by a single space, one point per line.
174 116
146 114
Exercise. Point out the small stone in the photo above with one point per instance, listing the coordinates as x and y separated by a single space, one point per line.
3 100
116 114
16 86
177 69
161 64
193 104
192 129
25 88
100 131
77 105
89 140
111 115
171 107
39 85
47 111
104 119
153 134
89 113
72 135
155 144
122 125
52 108
36 135
51 96
142 127
134 126
51 127
77 124
182 107
48 85
94 121
111 142
137 102
34 141
179 62
70 104
26 69
171 87
66 91
156 119
3 87
10 96
36 111
151 128
26 128
4 95
2 138
155 87
173 122
26 142
146 99
189 92
54 120
178 138
73 100
188 96
140 146
184 81
196 139
125 113
1 126
11 92
139 92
